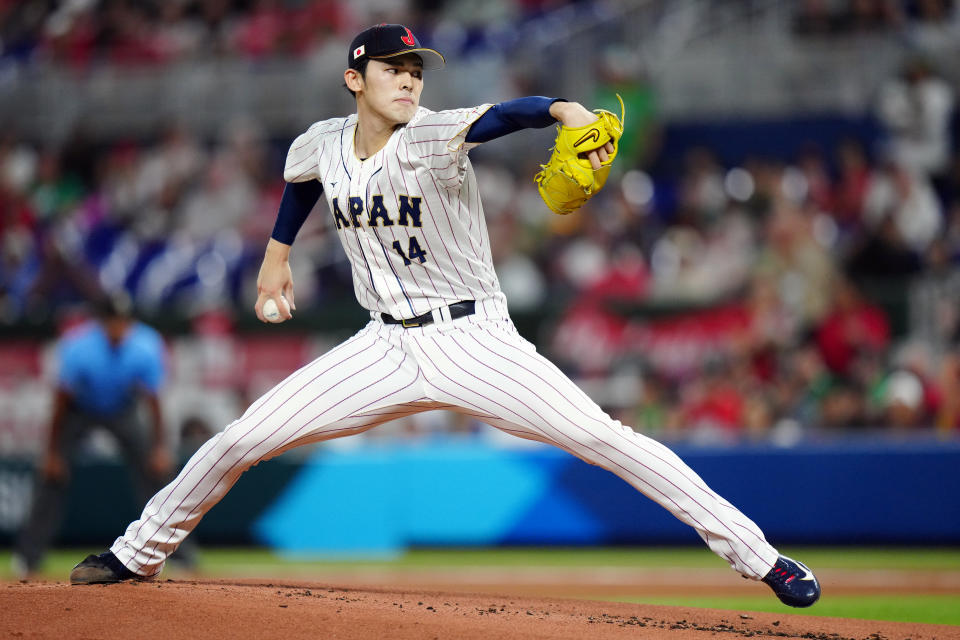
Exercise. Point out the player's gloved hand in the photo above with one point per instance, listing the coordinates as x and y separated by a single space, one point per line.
583 153
275 280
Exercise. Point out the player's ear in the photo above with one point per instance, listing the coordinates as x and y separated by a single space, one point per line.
353 80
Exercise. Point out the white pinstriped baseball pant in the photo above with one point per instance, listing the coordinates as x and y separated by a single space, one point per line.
478 365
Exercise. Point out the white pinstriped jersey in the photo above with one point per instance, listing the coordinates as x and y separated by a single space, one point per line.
409 216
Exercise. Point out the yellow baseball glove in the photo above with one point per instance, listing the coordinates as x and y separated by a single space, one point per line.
568 180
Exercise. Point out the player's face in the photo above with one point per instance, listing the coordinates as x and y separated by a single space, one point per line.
391 88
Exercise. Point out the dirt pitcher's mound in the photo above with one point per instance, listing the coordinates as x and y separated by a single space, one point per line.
237 610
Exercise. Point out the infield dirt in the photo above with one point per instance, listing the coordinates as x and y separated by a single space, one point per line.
293 609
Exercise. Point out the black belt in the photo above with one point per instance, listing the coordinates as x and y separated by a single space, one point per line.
457 310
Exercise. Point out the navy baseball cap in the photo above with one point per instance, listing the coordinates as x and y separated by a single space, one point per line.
389 40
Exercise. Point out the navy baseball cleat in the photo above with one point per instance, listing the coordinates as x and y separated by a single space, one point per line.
102 569
793 583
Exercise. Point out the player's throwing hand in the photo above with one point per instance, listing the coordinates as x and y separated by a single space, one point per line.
275 281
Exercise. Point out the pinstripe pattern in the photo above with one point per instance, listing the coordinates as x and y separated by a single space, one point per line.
320 401
499 373
395 187
477 365
427 159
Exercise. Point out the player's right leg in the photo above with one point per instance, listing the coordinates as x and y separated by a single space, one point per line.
361 383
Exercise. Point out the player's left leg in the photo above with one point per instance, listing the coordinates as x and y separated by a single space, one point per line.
488 368
485 367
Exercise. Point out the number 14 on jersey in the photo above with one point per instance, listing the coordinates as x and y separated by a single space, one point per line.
414 252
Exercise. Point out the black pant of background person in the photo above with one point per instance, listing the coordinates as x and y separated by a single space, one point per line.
47 507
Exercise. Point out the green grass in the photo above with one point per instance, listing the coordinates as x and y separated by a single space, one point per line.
926 608
947 559
907 607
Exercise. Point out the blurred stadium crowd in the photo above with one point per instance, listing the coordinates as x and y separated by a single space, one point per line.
78 33
699 300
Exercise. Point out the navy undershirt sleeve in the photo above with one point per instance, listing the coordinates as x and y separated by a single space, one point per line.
532 112
295 205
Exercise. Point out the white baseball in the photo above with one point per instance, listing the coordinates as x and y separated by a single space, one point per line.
272 313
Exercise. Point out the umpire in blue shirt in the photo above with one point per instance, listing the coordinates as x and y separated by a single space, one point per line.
109 371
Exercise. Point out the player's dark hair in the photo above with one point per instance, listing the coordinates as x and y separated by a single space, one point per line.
361 68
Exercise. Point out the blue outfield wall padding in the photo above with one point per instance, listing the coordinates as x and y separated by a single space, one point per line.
872 494
383 499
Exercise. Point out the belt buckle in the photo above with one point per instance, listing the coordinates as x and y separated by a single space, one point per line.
411 323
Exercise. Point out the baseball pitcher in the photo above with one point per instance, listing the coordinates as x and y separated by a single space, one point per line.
404 200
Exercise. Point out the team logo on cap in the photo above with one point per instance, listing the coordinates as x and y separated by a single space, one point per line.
359 51
408 39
